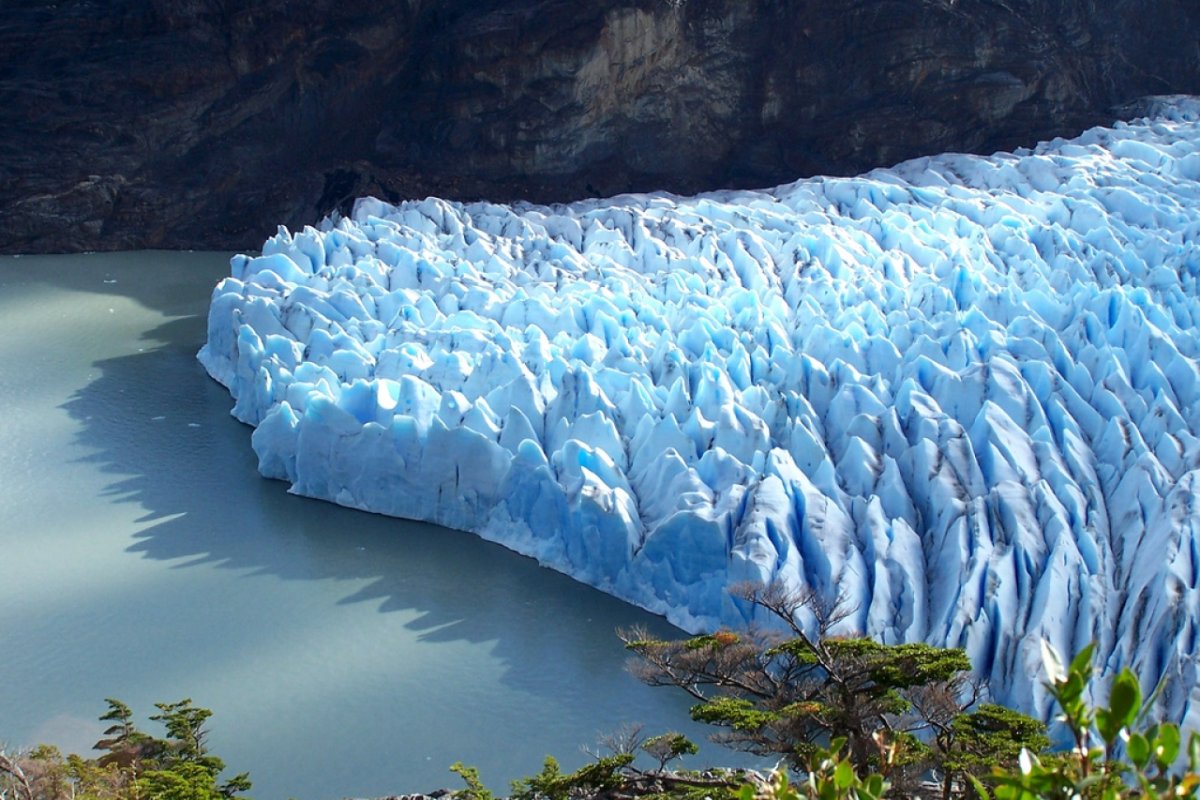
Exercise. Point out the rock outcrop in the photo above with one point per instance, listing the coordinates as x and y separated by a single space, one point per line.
205 123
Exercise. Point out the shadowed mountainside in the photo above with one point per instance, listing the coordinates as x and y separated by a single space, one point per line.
206 123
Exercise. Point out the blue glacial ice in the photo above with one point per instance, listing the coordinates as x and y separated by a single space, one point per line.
963 393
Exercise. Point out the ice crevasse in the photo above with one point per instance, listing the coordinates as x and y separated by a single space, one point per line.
962 393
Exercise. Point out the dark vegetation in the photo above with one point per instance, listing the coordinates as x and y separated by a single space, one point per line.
847 719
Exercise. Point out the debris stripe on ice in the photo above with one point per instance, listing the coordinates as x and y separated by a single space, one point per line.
962 393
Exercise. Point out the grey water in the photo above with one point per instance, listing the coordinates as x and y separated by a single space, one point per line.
143 558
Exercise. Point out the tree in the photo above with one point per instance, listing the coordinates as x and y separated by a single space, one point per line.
134 764
666 747
977 741
614 776
124 744
12 768
183 767
900 709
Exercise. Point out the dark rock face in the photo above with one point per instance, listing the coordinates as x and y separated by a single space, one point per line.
204 123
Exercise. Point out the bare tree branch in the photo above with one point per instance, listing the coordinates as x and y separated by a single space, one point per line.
626 740
11 767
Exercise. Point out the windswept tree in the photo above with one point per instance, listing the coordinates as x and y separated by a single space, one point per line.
902 709
184 768
133 766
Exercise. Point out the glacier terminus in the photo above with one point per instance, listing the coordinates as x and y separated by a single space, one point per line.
962 393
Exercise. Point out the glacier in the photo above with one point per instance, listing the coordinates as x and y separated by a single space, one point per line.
962 393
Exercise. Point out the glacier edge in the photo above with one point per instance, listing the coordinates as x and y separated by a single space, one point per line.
964 392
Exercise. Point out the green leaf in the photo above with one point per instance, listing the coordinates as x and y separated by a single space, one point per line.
1166 746
978 786
1124 700
1109 726
843 775
1081 664
1138 750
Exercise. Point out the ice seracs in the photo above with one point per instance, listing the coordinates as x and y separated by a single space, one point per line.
962 393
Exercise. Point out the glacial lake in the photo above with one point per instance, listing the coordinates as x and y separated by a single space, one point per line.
142 557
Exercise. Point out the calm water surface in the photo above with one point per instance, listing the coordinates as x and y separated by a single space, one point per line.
143 558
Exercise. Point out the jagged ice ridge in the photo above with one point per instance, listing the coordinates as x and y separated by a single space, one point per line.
963 393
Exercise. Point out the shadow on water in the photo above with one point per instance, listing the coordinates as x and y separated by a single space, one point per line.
161 427
419 645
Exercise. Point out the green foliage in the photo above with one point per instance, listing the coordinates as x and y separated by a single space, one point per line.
48 771
124 743
667 747
799 697
828 776
601 775
94 780
903 710
831 776
1125 700
986 751
598 777
616 776
1093 768
184 781
992 735
737 713
785 697
122 715
475 789
719 639
903 666
136 765
185 728
546 784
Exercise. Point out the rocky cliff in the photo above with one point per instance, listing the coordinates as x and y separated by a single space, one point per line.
205 123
